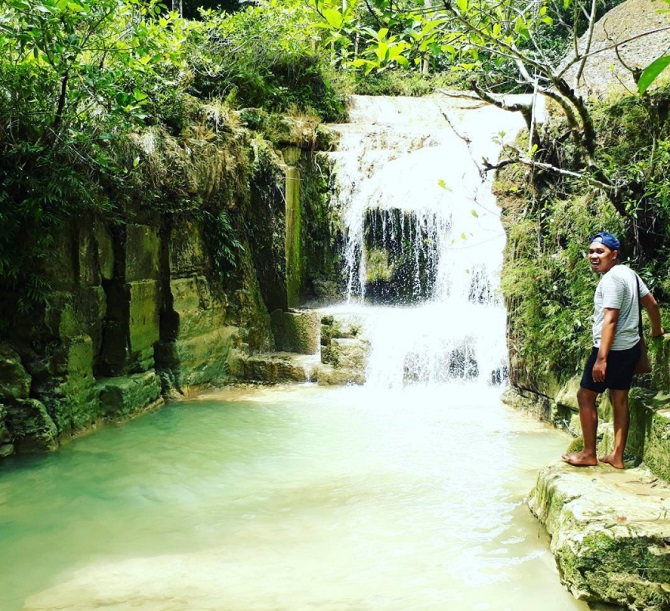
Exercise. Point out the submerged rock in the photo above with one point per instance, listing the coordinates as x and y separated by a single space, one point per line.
610 532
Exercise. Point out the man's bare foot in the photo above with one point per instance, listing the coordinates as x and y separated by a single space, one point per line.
610 459
580 459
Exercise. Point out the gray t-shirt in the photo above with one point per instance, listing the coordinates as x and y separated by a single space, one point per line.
617 289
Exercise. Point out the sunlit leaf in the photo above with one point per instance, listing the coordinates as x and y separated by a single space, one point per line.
651 72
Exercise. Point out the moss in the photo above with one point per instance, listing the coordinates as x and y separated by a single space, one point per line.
293 239
31 426
129 395
657 444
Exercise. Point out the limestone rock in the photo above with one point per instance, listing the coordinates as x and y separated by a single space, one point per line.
327 375
296 331
31 426
609 532
604 75
274 367
349 353
198 360
656 454
567 395
14 379
344 350
73 399
142 253
126 395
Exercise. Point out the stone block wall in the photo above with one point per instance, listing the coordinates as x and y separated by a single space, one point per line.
140 310
131 315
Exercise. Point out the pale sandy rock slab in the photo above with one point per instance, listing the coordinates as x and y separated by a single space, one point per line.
274 367
610 532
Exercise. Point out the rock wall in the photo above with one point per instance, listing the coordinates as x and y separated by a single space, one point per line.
155 307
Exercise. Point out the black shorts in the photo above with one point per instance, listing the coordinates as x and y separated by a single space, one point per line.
619 372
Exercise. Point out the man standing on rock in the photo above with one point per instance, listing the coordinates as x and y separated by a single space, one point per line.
616 341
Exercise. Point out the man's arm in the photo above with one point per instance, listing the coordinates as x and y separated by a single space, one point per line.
650 304
611 318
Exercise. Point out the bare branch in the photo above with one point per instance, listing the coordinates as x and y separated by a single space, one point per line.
589 40
525 109
594 182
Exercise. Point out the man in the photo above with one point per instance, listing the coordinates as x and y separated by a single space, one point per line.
616 341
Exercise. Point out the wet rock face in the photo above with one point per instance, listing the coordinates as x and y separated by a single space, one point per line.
610 533
344 350
14 379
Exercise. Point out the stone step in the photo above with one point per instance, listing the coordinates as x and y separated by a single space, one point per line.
273 367
610 532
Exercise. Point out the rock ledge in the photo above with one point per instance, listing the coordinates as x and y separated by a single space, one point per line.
610 532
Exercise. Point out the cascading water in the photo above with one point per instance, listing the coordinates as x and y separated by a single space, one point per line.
423 235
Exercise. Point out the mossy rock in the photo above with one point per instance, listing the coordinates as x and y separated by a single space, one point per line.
31 426
14 379
656 453
608 532
127 395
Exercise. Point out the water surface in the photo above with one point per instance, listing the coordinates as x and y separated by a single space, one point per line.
299 497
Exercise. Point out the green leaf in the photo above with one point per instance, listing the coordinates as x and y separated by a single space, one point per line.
474 213
462 5
334 18
652 71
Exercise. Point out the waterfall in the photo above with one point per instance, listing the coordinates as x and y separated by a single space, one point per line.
424 239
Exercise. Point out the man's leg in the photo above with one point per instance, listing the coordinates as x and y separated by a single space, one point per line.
619 400
588 415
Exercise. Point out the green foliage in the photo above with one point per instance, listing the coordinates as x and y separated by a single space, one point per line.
405 83
547 283
75 77
222 242
97 111
636 153
263 56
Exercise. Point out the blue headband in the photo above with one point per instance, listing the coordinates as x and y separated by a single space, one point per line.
607 239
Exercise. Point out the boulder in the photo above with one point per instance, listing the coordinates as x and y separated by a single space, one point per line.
604 74
349 353
327 375
296 331
31 426
127 395
273 367
14 379
610 532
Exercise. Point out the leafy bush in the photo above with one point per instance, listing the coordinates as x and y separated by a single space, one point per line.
402 82
92 91
263 57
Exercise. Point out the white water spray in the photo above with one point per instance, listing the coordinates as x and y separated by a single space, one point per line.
423 232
